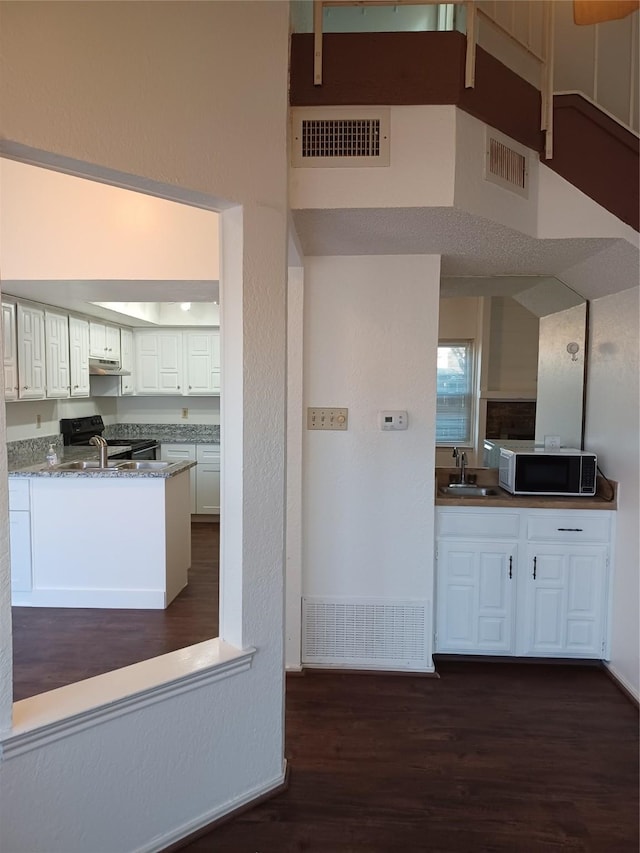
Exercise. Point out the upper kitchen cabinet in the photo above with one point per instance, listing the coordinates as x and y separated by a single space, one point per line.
202 355
177 362
56 333
79 356
31 353
104 340
127 385
10 351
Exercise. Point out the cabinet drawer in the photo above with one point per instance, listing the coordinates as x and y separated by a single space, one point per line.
466 523
18 495
208 453
593 527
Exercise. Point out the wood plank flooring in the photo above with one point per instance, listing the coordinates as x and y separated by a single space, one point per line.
504 757
57 646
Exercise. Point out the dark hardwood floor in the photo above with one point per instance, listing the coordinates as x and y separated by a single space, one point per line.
57 646
505 757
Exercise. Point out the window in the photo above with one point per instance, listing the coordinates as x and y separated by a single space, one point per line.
454 408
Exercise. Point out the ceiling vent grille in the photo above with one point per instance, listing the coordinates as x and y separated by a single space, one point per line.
372 633
506 163
352 138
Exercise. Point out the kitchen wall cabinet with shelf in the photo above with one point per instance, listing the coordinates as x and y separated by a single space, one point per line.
205 476
10 351
524 582
56 334
104 340
127 384
79 357
31 353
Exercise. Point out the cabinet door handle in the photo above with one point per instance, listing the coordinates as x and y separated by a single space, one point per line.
510 567
535 559
570 530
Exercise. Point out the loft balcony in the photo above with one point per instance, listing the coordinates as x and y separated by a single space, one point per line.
583 141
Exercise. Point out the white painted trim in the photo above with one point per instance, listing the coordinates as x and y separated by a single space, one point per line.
631 690
369 667
59 713
136 599
205 819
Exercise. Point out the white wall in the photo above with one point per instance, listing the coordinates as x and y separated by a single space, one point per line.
57 226
124 112
370 339
612 430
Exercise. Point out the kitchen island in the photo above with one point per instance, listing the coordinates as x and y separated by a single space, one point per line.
85 537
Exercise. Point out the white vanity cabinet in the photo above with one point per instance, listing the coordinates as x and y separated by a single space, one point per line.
10 351
79 357
524 582
20 534
56 335
104 340
31 353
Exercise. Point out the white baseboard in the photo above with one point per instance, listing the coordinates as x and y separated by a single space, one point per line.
623 682
137 599
187 829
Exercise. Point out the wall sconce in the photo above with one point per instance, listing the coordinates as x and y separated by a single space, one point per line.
573 348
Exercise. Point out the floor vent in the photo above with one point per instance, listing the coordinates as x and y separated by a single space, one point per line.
340 138
506 163
372 633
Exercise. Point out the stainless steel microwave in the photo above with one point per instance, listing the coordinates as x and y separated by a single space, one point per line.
565 472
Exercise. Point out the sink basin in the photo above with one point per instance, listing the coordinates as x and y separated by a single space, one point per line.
89 465
144 465
458 491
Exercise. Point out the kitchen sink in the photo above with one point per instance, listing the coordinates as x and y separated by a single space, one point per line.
143 465
89 465
460 491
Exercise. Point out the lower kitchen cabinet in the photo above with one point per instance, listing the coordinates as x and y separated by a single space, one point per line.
20 535
539 589
205 477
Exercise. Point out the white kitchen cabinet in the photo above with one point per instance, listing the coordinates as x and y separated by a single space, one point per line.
104 340
79 357
540 592
202 357
127 384
56 334
20 535
10 351
476 597
158 362
31 353
183 453
208 479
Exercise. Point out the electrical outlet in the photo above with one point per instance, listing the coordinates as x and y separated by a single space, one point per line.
185 413
38 421
552 442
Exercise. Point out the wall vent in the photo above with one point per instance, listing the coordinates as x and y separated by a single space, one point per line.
338 138
506 163
371 633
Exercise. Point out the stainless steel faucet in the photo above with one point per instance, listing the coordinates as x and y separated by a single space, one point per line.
456 456
101 443
463 468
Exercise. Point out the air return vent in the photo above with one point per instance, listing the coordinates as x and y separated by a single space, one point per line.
340 137
371 633
506 163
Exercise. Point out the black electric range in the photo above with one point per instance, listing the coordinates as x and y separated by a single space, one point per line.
76 432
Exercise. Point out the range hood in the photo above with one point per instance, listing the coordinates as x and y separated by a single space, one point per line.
106 367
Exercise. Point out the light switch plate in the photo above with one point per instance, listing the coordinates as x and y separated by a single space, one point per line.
327 418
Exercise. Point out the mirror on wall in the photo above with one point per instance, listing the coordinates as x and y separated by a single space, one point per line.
531 334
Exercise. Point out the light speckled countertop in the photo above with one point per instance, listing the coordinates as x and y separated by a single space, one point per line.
489 477
43 470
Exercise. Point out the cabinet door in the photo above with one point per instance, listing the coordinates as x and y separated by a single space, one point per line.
56 332
126 360
182 453
79 356
158 363
112 341
31 353
208 479
10 351
563 602
97 339
202 353
475 597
